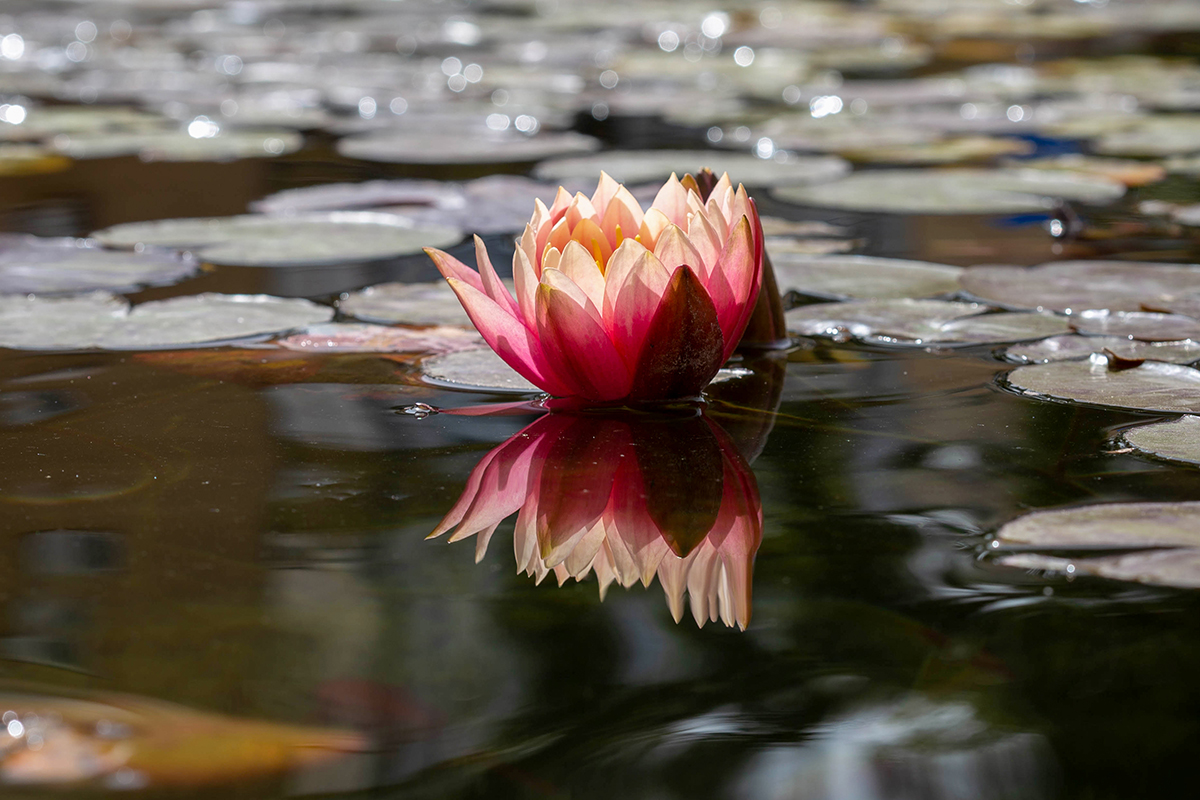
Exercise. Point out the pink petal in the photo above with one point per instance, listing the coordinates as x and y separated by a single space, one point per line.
683 347
633 292
509 337
742 264
579 265
492 285
623 212
606 190
671 200
708 244
674 249
525 280
576 341
581 208
451 267
653 224
562 200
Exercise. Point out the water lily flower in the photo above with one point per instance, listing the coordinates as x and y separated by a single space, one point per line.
625 498
616 304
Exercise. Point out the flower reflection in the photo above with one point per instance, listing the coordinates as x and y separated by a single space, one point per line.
627 498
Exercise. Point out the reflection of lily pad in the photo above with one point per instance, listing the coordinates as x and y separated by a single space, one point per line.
445 147
1073 346
905 321
29 264
407 304
261 241
476 369
1152 386
99 320
862 277
1073 286
1113 526
959 191
340 337
645 166
1176 440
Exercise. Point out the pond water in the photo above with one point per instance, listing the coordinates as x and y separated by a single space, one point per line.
218 579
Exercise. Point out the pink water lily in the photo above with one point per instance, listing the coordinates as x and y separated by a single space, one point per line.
613 303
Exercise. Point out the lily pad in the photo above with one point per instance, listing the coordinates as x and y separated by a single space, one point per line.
1113 526
1144 325
252 240
862 277
920 322
1163 135
1073 347
957 191
1073 286
100 320
179 145
340 337
1152 386
367 194
952 150
406 303
1128 171
646 166
1175 440
1107 526
479 370
30 264
449 147
778 246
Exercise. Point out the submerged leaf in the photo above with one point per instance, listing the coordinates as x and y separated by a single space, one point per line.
340 337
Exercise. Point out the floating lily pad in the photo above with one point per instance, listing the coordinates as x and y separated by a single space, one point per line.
1164 135
367 194
29 264
179 145
339 337
1113 526
862 277
1073 286
1107 526
1073 347
953 150
100 320
959 191
406 303
47 121
1176 440
1144 325
449 147
303 240
778 246
480 370
1152 386
905 321
645 166
1128 171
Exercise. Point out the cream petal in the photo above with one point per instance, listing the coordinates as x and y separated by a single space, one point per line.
606 189
579 265
671 200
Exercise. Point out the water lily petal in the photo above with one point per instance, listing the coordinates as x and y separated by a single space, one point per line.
525 280
581 208
653 224
623 212
606 190
633 292
508 336
588 234
451 267
492 286
684 346
577 342
562 201
579 265
674 249
741 272
671 200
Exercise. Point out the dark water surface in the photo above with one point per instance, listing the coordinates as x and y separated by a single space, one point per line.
244 531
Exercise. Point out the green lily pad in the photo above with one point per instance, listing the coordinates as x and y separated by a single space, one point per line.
646 166
1175 440
100 320
957 191
406 303
862 277
1073 286
921 322
1073 346
253 240
1152 386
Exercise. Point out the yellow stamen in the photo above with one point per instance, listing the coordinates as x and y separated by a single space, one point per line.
596 254
620 236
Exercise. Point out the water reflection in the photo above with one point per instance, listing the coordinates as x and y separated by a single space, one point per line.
625 497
